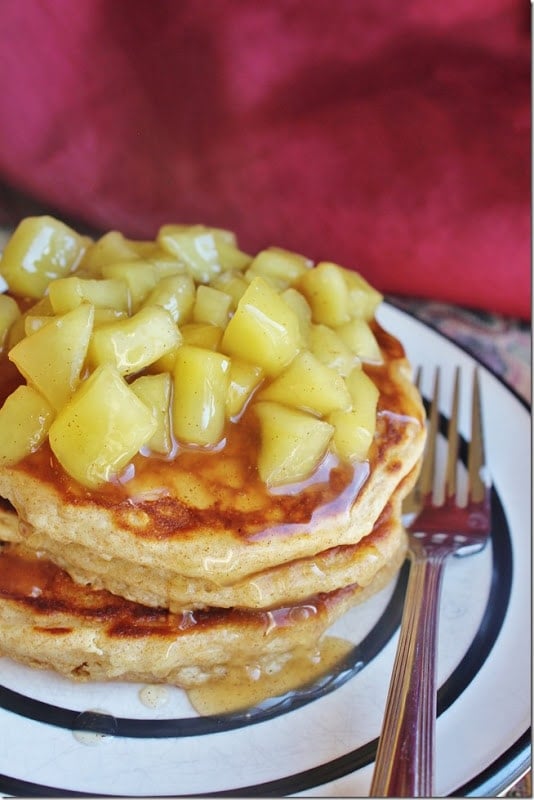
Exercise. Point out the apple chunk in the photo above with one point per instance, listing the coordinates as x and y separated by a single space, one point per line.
155 392
352 439
298 303
101 428
310 385
52 358
233 283
354 429
244 378
293 443
68 293
140 277
264 330
195 246
331 350
109 249
205 251
201 379
360 339
40 250
202 334
211 306
281 268
363 298
176 294
326 291
362 389
25 419
136 342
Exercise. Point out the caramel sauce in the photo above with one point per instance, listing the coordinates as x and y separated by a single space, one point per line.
153 696
247 686
25 578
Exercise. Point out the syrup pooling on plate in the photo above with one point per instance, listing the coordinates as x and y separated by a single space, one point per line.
154 696
248 686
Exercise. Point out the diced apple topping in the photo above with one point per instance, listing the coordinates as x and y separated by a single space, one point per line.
293 443
244 379
52 358
310 385
109 249
326 291
233 283
299 305
25 419
327 346
202 334
68 293
279 267
40 250
212 306
176 294
201 379
140 277
354 429
150 347
264 329
134 343
155 392
205 251
337 294
360 339
101 428
363 298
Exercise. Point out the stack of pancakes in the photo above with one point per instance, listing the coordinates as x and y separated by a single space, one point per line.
166 587
193 565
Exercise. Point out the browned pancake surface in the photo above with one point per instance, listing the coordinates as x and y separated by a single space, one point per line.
48 621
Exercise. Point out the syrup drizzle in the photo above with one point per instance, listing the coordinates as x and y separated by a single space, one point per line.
246 686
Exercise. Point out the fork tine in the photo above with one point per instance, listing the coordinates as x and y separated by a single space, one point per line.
476 460
426 478
412 502
453 440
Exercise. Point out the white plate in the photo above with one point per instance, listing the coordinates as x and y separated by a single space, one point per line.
321 744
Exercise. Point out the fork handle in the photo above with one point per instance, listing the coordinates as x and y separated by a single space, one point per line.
405 757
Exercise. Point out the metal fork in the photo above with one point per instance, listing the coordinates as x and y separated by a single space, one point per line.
405 757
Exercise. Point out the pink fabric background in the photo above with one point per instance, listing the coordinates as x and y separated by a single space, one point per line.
391 137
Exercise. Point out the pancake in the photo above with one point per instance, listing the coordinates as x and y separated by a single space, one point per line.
286 583
208 516
50 622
